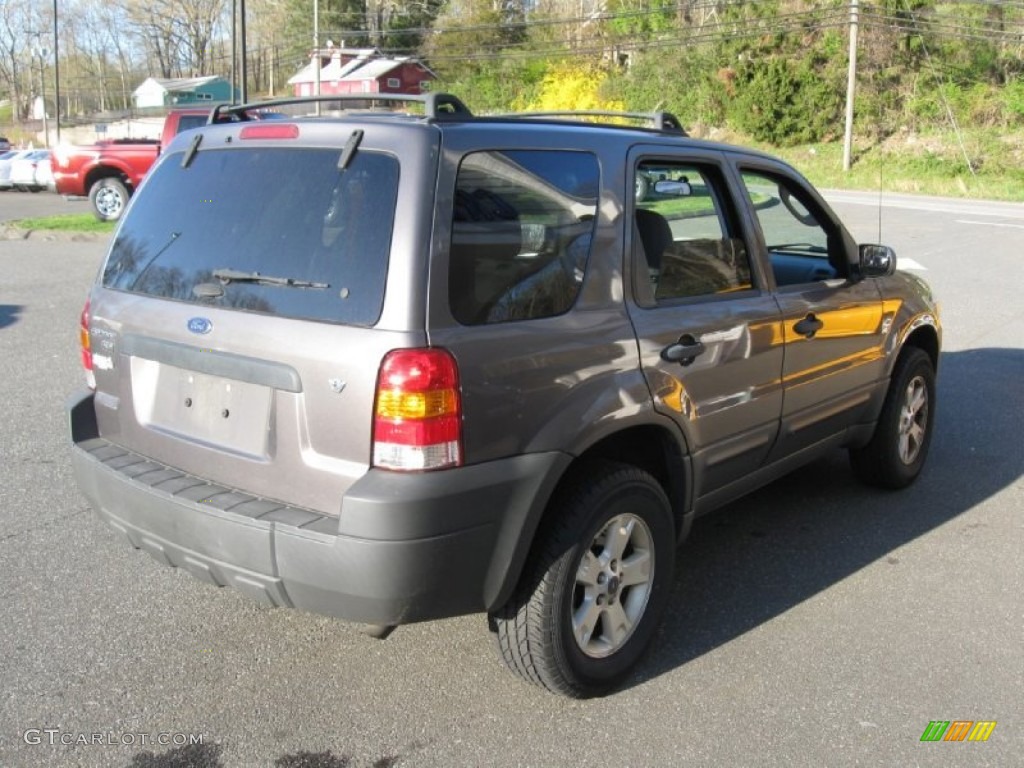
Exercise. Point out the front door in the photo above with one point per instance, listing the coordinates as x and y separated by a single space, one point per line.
833 325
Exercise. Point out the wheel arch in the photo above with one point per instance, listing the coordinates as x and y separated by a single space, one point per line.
650 447
657 451
925 337
101 172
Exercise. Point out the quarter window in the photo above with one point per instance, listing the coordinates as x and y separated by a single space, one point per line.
522 224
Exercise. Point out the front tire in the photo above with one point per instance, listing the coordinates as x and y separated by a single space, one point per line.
594 587
108 196
897 451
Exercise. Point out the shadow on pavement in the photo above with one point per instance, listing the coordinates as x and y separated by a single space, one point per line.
191 756
9 314
762 555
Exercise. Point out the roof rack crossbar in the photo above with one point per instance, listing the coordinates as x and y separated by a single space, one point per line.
436 106
661 121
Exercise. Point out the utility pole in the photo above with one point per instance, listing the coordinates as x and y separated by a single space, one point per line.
42 53
42 94
56 72
316 48
245 68
234 48
851 82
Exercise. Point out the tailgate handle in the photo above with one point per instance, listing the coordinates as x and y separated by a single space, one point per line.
684 351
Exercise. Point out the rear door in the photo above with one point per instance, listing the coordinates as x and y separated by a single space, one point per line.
833 325
709 333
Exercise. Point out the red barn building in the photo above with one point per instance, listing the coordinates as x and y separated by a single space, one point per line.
361 70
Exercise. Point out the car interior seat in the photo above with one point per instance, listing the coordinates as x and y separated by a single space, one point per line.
486 238
655 236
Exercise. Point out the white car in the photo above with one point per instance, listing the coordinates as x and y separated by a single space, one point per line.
6 159
44 174
26 174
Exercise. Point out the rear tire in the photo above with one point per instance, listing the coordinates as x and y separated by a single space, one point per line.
108 196
595 584
897 451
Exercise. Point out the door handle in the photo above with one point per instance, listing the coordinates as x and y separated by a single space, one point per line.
809 326
684 351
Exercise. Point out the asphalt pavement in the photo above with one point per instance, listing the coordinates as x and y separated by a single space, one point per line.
815 623
23 205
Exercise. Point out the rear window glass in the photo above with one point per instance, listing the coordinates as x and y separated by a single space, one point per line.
521 234
236 225
188 122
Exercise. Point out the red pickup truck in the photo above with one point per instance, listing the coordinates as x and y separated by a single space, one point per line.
109 171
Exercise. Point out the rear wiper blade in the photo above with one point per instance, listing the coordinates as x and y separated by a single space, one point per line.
350 149
235 276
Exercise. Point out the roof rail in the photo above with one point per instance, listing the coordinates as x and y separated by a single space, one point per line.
436 106
660 121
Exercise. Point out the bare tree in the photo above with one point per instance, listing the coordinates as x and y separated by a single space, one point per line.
13 52
25 43
198 23
176 35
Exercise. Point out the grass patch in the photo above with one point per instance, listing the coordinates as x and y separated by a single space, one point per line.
678 207
932 164
68 222
691 206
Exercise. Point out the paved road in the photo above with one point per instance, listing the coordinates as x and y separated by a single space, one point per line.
815 624
23 205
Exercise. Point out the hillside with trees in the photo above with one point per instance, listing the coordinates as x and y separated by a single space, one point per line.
943 78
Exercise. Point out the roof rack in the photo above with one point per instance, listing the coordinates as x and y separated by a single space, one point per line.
660 121
436 106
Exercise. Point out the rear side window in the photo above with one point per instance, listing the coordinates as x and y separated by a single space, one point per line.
278 231
521 233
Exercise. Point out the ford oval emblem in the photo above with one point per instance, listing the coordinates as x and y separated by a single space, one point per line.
200 325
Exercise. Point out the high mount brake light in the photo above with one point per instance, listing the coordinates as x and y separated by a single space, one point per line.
270 131
86 345
417 422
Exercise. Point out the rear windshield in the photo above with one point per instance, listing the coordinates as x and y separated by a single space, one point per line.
188 122
273 215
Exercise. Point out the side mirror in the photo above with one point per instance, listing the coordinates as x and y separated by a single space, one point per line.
877 260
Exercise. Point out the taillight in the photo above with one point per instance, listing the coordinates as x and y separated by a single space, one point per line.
83 340
417 422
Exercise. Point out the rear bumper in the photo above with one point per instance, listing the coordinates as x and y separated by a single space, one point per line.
404 548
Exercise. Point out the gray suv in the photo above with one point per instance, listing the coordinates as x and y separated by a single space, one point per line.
394 367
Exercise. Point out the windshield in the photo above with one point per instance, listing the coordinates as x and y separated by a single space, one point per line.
287 213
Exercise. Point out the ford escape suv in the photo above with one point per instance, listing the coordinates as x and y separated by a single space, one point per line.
392 366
